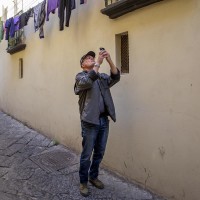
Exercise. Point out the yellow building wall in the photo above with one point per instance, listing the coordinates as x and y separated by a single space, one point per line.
155 141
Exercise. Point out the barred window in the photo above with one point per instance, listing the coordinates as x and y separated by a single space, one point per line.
21 71
122 52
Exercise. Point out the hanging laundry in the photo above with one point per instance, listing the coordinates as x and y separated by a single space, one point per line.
1 30
68 6
83 1
73 4
24 18
51 7
16 23
39 18
10 28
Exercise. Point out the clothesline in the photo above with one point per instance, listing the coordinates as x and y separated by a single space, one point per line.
22 5
27 5
41 12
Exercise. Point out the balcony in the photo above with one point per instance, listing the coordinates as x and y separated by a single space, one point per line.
16 43
117 8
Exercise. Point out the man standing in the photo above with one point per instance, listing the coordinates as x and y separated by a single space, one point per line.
95 105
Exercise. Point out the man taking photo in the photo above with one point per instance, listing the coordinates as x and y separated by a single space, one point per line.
95 105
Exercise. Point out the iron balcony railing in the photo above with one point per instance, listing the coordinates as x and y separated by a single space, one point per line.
117 8
109 2
17 39
16 43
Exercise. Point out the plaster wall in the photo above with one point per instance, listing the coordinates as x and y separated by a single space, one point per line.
155 140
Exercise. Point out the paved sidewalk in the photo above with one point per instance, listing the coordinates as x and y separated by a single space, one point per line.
33 167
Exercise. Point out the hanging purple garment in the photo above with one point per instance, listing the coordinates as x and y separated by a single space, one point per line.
51 7
10 28
16 23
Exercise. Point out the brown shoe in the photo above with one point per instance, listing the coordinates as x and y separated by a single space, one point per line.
84 189
97 183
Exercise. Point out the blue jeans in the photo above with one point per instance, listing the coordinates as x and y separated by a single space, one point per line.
94 140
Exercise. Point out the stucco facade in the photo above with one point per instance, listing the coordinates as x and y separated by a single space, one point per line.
155 141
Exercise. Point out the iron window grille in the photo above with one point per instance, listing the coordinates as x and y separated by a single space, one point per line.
122 52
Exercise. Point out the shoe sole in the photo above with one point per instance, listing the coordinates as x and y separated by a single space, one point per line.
84 195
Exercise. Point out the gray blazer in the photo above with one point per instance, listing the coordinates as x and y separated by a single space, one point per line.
87 86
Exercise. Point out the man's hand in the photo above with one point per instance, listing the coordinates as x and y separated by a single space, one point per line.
101 56
106 55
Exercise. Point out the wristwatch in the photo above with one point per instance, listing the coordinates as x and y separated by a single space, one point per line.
97 65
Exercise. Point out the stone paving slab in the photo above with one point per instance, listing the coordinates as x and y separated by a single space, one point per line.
33 168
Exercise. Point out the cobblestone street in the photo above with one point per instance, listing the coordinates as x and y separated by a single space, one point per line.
33 167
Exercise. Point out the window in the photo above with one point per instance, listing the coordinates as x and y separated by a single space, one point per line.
122 52
21 68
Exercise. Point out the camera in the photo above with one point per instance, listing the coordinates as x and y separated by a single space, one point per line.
102 49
